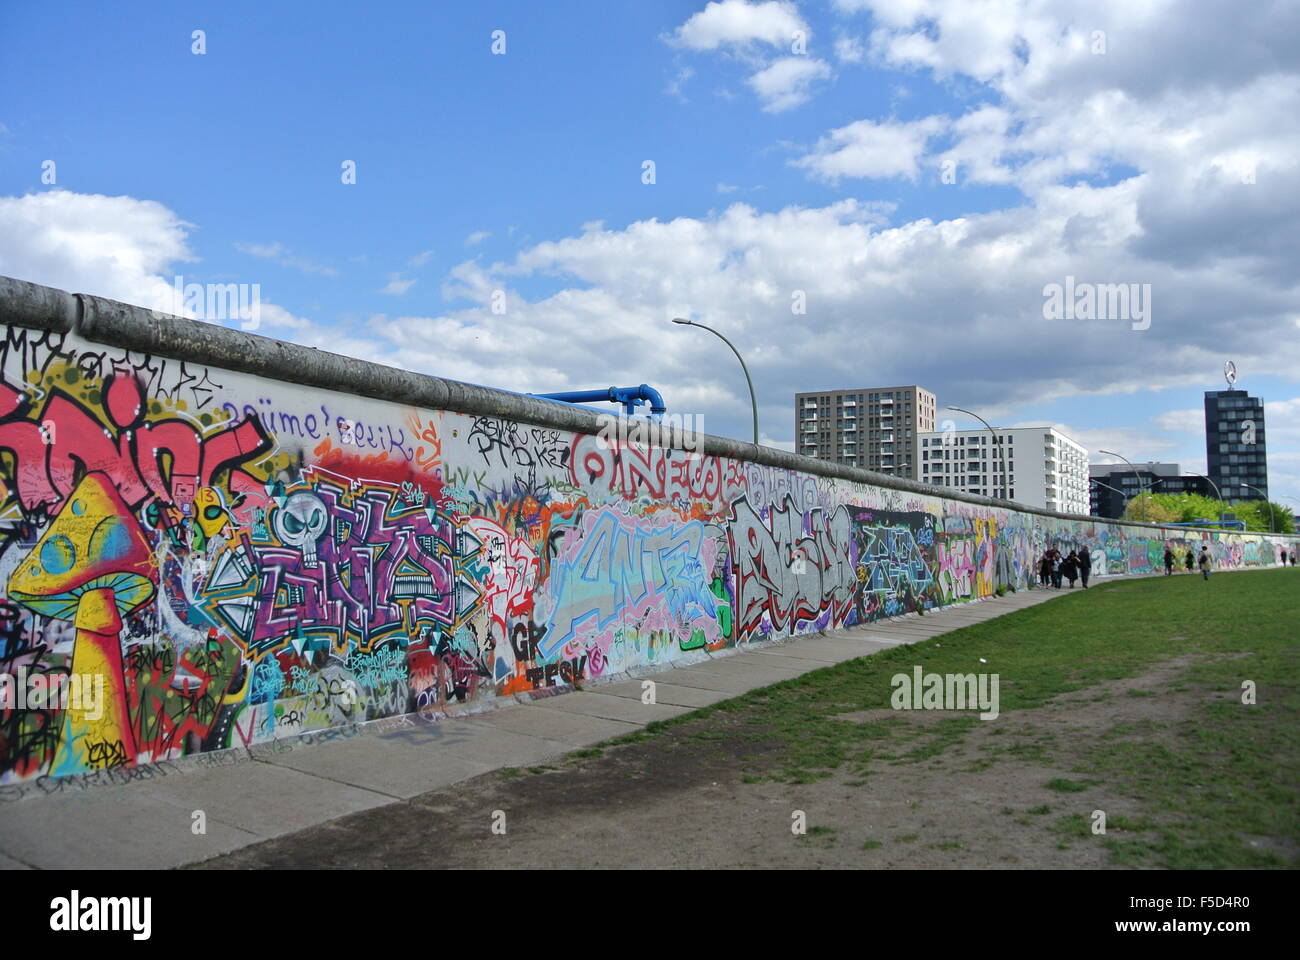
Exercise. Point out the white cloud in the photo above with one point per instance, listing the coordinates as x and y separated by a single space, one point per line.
397 285
787 83
420 259
116 247
128 250
279 254
678 83
477 237
867 149
849 49
736 23
771 38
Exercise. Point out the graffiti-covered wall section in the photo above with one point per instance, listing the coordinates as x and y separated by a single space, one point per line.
194 559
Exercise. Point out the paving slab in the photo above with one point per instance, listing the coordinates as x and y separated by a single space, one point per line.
666 692
885 639
572 729
467 738
611 708
265 799
764 663
760 674
815 656
732 684
121 827
375 763
9 863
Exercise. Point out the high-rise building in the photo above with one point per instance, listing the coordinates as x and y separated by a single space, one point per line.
872 427
1114 485
1235 448
1043 467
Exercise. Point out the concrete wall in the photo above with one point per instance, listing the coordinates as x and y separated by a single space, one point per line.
242 556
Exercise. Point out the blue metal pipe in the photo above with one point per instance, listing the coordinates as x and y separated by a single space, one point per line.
629 397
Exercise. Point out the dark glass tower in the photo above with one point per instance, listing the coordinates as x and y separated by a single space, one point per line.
1236 451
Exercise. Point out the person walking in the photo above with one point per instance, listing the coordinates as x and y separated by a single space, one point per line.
1204 562
1045 568
1188 559
1056 568
1085 566
1169 562
1070 568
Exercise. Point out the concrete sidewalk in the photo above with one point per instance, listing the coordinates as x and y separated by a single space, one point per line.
279 788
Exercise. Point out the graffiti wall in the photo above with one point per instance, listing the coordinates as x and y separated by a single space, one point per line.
193 559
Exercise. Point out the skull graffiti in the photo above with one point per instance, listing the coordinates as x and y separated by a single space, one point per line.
300 523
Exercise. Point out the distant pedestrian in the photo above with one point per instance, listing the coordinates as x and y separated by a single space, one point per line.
1045 568
1070 568
1204 562
1056 568
1169 562
1187 561
1085 566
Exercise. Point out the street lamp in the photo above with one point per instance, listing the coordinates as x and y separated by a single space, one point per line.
1141 482
1247 486
1123 506
1217 495
995 446
753 401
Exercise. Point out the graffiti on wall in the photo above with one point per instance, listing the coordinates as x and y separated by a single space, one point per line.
235 560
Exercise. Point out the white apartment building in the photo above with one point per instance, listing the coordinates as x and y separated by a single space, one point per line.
1044 468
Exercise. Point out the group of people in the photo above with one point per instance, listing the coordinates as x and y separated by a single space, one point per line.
1052 567
1204 561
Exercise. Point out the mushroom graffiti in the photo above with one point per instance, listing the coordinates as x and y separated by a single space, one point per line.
92 567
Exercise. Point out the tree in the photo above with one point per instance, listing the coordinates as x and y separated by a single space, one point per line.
1257 515
1149 508
1264 516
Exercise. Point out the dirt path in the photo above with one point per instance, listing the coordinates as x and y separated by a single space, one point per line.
686 798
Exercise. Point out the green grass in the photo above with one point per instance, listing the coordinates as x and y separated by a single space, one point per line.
1204 787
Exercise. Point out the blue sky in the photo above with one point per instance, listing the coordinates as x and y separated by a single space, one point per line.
523 172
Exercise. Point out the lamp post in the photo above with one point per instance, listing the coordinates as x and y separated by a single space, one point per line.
1217 495
995 446
1124 505
1247 486
753 401
1141 482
